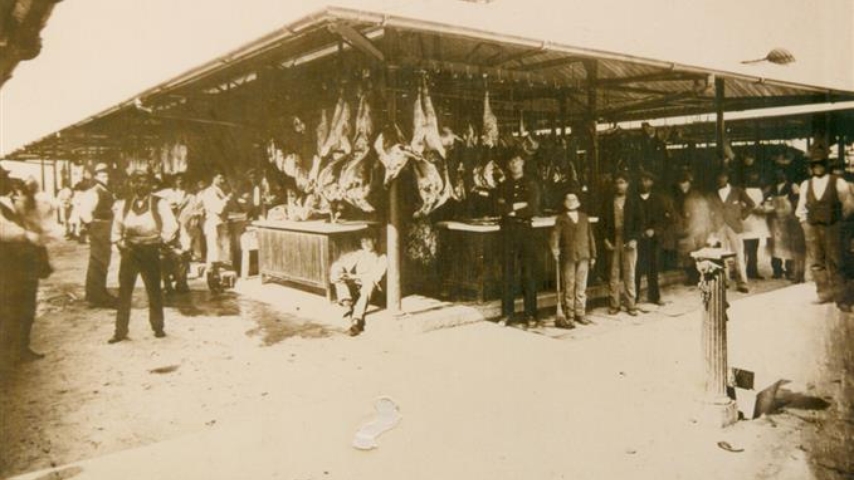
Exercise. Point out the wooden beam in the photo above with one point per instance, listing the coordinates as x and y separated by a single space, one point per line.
668 76
515 57
648 103
547 64
358 41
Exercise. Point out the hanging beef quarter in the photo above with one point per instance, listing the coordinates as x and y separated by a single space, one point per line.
419 126
430 185
490 124
355 180
432 138
321 132
392 153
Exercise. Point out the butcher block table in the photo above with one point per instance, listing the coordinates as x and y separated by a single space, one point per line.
301 253
470 258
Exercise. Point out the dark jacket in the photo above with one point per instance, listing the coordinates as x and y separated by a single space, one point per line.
526 189
632 220
656 213
731 212
574 240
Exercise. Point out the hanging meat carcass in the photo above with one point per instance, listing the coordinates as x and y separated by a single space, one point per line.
431 186
339 130
490 124
432 138
339 146
419 126
392 152
431 171
355 179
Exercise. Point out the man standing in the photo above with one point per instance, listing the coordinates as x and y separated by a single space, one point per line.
825 200
518 202
656 217
358 275
145 223
729 207
621 227
574 251
693 226
96 213
218 245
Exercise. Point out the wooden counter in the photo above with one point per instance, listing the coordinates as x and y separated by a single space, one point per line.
301 253
470 259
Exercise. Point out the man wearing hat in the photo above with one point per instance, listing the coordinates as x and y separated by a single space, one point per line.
621 229
730 205
96 212
144 224
518 202
824 202
357 276
656 216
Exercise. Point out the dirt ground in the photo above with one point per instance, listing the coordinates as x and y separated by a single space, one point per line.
228 358
88 398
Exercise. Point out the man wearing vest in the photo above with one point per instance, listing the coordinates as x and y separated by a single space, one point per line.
96 212
825 200
145 223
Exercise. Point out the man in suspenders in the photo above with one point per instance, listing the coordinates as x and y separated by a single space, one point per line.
145 223
96 211
825 200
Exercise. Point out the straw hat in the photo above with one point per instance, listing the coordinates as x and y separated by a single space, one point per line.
101 167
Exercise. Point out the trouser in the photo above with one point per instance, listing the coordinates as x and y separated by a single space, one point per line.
623 264
575 287
518 253
751 257
346 290
793 268
18 292
648 264
100 251
824 249
141 260
732 241
217 244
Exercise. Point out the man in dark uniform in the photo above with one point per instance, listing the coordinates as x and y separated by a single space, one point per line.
656 217
519 202
97 213
824 202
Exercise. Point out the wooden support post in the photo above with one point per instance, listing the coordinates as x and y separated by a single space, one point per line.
562 115
718 408
840 150
394 223
757 141
720 127
43 175
592 68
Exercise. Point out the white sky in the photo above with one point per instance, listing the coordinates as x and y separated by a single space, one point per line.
100 52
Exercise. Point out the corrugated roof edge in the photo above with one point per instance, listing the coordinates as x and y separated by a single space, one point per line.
391 20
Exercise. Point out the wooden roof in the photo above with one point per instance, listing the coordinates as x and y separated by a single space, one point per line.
297 67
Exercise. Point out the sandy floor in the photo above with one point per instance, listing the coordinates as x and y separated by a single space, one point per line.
246 380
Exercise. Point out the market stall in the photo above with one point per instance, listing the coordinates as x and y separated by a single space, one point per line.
356 120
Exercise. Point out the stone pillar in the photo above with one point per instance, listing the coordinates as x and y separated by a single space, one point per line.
718 409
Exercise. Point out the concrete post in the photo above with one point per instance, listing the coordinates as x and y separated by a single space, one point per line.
718 409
